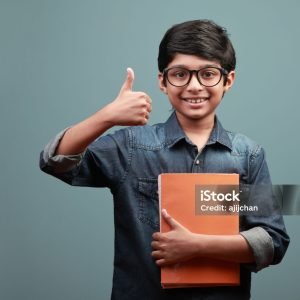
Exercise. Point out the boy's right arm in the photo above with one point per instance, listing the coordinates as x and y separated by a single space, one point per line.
130 108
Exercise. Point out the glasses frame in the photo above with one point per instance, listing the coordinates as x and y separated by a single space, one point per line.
223 71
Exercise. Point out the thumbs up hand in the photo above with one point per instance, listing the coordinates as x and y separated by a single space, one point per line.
130 108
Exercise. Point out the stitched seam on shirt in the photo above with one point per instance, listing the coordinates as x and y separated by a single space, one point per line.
254 154
234 152
150 147
129 159
239 154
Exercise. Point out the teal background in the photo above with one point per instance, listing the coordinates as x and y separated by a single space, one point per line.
60 61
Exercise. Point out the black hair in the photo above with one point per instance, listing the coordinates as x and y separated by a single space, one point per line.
202 38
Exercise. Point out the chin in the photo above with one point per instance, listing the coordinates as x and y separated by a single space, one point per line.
200 116
196 118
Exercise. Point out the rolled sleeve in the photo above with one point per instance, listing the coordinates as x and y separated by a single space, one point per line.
262 246
60 163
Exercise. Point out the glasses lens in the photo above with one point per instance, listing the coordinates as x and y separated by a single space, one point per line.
209 76
178 76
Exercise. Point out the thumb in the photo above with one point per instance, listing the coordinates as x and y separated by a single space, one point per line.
128 84
172 222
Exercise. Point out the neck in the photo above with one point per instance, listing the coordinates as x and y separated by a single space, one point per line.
198 131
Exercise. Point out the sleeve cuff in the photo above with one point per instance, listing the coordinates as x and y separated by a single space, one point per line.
60 163
262 246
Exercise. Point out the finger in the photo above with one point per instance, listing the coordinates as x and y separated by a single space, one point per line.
156 236
161 262
128 84
147 116
149 100
149 107
171 221
157 254
144 96
155 245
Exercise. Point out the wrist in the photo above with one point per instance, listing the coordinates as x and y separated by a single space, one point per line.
197 245
105 117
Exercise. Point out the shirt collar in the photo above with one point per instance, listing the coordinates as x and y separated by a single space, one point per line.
219 135
174 133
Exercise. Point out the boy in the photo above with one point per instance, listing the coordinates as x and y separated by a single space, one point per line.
196 68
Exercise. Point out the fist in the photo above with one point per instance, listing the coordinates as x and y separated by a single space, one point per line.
130 108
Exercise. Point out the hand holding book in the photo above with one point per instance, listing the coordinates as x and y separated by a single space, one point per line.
177 245
180 244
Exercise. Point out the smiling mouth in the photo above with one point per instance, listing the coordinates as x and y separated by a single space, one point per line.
195 100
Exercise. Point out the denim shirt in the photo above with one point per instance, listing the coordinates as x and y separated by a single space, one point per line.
129 161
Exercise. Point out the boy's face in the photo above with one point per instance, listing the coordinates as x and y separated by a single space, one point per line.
195 102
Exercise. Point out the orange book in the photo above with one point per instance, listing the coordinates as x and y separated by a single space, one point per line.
195 201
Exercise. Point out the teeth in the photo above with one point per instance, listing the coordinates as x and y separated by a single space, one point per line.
200 100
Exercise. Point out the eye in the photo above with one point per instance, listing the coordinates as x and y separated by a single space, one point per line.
209 73
178 73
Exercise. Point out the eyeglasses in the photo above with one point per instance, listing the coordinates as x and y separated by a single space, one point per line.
208 76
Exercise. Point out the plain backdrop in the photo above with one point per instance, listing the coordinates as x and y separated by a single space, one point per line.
60 61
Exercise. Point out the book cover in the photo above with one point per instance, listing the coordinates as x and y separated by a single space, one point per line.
186 198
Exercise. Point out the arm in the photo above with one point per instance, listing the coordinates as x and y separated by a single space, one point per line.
180 244
129 108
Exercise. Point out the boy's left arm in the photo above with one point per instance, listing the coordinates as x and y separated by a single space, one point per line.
180 244
265 230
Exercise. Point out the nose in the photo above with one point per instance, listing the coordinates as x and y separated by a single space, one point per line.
194 84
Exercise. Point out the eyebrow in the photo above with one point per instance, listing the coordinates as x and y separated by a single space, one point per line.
203 66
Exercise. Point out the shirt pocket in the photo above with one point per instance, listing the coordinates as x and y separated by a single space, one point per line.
148 202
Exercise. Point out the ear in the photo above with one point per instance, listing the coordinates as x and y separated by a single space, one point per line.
230 81
161 83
